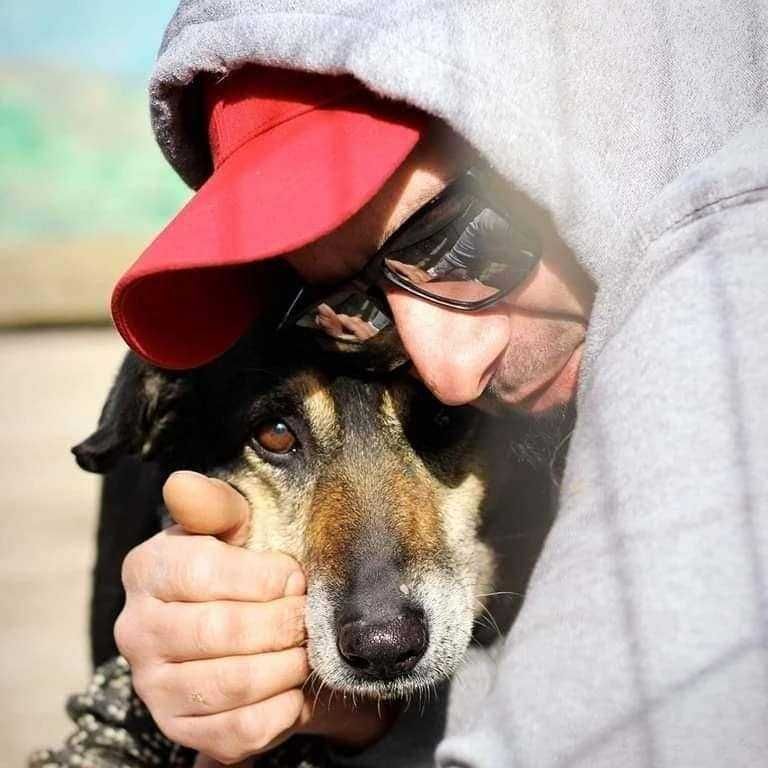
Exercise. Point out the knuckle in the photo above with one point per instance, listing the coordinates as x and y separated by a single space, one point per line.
300 660
290 628
249 728
209 626
170 568
231 684
173 728
145 567
132 568
150 684
199 572
295 706
136 631
126 637
140 684
176 577
192 575
269 578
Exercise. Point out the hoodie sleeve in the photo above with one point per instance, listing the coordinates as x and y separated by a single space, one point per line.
113 728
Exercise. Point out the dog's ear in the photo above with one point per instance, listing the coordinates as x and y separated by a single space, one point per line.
142 407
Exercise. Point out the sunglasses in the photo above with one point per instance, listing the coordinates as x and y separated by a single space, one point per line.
462 250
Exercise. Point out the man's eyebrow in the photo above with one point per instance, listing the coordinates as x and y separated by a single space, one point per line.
418 203
389 231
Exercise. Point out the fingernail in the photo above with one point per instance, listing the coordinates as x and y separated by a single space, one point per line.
217 481
295 584
188 473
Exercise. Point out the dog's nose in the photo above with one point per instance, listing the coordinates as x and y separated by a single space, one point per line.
385 648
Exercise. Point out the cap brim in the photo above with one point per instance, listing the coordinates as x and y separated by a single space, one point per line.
193 293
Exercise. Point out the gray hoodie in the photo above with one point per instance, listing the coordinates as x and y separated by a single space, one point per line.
640 126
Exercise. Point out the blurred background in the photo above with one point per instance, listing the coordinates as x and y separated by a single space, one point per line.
83 189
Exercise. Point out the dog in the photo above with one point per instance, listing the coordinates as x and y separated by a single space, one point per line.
386 497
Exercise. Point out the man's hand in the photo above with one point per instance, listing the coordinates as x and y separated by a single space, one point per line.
215 634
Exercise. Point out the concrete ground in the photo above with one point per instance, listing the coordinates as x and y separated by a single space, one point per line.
52 385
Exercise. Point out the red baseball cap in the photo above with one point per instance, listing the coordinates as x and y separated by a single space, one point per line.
295 155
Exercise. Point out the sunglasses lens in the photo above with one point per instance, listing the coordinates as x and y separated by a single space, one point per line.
471 261
348 315
449 287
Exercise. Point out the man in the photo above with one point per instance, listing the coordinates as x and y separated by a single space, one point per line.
518 349
637 132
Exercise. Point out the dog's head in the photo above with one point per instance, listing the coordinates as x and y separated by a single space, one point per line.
371 484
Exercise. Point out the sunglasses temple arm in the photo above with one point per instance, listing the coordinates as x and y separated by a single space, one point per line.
296 299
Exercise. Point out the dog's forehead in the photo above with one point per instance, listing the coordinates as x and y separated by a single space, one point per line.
321 410
342 405
337 400
350 404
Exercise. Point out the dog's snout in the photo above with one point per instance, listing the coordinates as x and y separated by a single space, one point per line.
384 648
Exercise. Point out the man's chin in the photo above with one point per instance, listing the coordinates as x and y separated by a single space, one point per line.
539 425
538 438
554 392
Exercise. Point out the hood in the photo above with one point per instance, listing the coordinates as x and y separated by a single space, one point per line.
589 108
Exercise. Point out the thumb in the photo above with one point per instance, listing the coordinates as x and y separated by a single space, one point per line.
201 504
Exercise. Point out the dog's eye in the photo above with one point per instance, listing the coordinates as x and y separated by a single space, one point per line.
275 436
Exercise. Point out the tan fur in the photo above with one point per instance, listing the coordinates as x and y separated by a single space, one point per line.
320 407
382 490
379 493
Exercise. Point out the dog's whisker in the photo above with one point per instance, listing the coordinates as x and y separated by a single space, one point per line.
499 594
482 622
432 689
316 684
494 624
555 474
309 682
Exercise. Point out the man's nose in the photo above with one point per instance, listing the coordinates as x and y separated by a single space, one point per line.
455 353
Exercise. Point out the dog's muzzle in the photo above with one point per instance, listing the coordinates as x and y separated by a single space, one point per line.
383 647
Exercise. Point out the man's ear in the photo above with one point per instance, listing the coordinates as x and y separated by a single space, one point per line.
141 408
